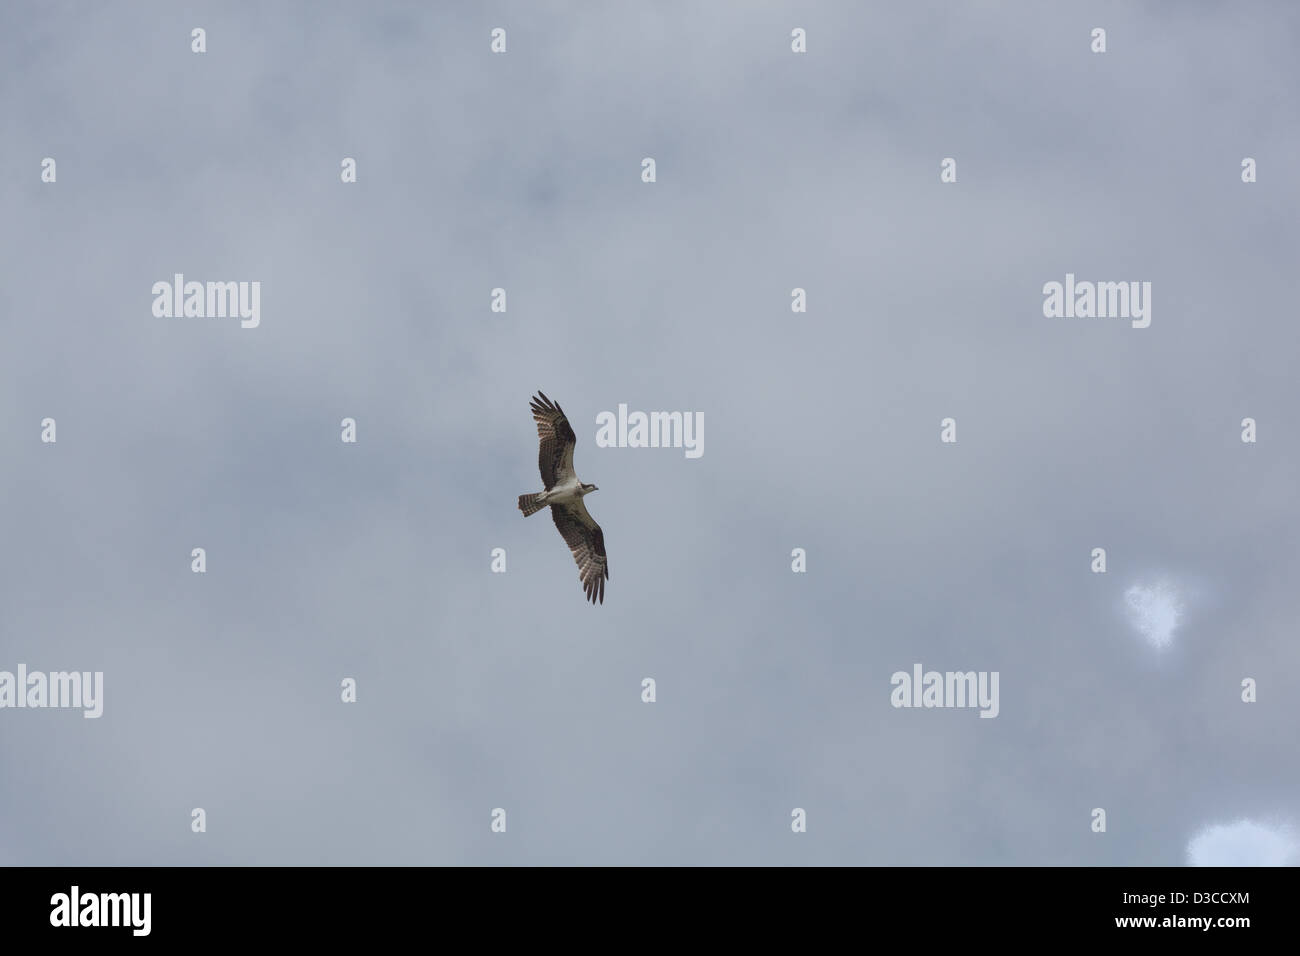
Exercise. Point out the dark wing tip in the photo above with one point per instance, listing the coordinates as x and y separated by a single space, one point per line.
541 405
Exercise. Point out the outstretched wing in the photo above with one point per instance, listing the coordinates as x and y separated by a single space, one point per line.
587 542
555 441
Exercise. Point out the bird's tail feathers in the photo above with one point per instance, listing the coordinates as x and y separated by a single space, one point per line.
529 504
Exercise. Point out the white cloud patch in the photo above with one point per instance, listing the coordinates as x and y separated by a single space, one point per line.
1155 611
1244 843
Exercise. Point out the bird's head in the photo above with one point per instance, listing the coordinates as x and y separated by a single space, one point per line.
588 489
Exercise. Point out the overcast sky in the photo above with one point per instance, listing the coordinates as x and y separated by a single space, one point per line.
775 171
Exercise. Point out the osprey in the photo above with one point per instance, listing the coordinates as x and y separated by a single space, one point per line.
564 494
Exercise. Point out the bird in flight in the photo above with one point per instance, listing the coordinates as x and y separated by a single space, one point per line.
564 494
